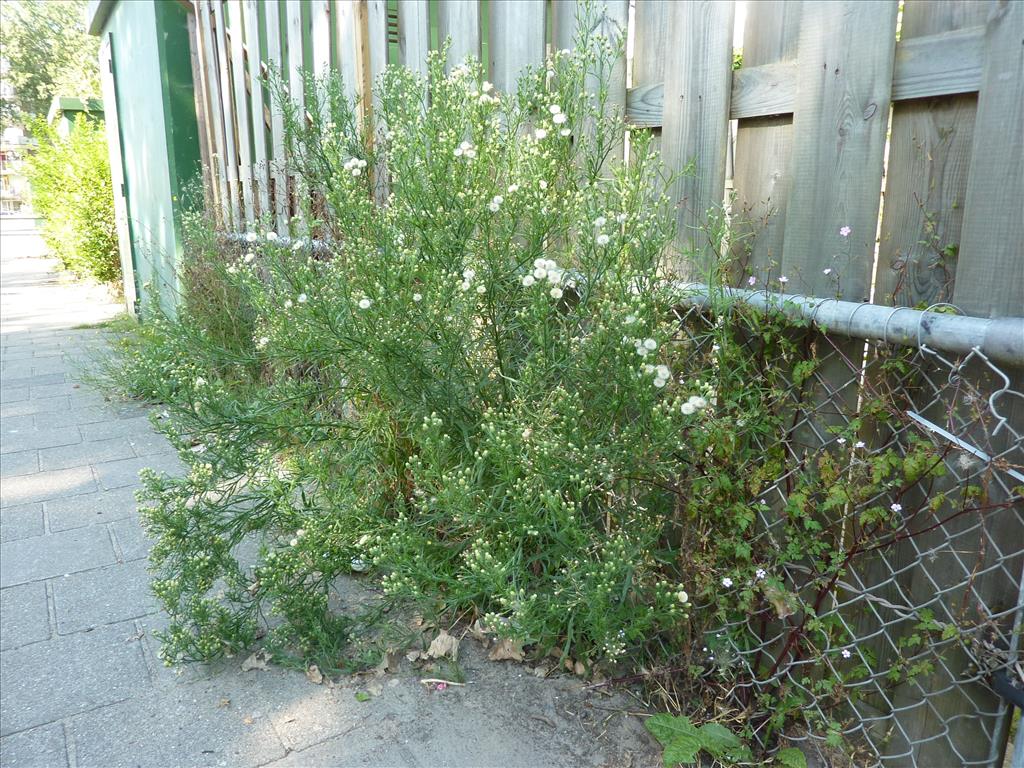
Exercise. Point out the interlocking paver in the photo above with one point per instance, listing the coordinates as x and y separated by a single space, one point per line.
29 439
131 538
93 452
105 596
90 508
25 406
21 522
21 463
44 557
76 673
118 474
42 747
24 489
137 426
26 618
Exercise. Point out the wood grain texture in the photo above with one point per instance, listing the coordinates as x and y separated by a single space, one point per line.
459 21
839 126
261 184
293 37
202 113
277 160
990 270
761 175
320 39
516 40
346 48
228 118
936 65
215 112
413 34
242 121
650 28
698 75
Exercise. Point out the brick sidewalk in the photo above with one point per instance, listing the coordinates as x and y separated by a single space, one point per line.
80 684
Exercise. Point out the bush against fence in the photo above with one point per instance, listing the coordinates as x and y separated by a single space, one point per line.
71 189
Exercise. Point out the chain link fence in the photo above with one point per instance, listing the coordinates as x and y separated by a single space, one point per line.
933 606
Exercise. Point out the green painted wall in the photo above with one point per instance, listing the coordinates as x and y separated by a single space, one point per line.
159 135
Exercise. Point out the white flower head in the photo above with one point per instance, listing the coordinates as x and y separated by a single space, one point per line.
262 341
846 653
540 273
760 574
513 188
556 292
364 303
698 402
565 132
650 344
554 109
540 134
726 582
481 289
468 274
896 507
303 298
602 239
542 184
859 444
600 221
271 235
417 297
528 281
251 237
288 304
248 258
682 597
663 372
630 319
560 118
687 408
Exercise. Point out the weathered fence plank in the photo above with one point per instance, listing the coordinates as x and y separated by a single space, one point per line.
413 34
839 125
761 176
320 27
516 40
211 86
695 134
990 270
275 64
238 77
345 39
228 115
261 185
459 20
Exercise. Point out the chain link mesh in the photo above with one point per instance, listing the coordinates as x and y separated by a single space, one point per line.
933 606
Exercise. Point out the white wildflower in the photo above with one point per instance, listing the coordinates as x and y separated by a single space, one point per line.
528 281
417 297
303 298
554 109
726 582
556 292
603 239
560 118
271 235
650 344
365 303
540 134
687 409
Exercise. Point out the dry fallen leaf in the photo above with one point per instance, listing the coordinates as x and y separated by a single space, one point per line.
479 631
579 669
257 660
506 648
541 671
374 689
443 645
248 720
224 703
414 655
314 675
390 662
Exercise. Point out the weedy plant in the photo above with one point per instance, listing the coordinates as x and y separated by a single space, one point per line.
466 373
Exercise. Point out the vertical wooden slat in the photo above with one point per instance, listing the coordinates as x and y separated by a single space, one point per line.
563 24
238 77
650 27
460 21
345 37
261 184
278 161
228 117
201 98
844 82
377 31
215 115
293 36
516 40
698 81
413 34
761 175
990 271
320 18
926 178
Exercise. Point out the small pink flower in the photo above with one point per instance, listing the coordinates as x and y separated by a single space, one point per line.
442 686
845 231
751 280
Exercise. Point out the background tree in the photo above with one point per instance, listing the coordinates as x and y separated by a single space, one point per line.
48 53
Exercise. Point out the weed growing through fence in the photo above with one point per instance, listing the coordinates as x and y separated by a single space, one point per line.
469 377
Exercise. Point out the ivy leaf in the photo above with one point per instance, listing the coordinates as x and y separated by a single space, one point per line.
791 757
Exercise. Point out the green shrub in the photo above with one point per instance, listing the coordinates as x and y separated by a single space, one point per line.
71 190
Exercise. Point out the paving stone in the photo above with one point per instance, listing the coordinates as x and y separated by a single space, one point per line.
132 538
186 722
70 674
91 508
30 439
94 452
148 445
22 463
71 418
26 615
102 596
55 554
51 390
42 747
130 428
117 474
13 394
18 423
50 364
42 405
23 377
21 522
41 486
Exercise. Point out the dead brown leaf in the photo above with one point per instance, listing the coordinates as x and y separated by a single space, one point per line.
479 631
224 703
314 675
248 720
414 655
257 660
390 662
506 648
579 669
443 645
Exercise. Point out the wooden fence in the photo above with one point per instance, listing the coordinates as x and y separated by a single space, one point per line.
863 149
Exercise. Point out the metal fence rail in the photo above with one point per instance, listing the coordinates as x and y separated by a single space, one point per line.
935 612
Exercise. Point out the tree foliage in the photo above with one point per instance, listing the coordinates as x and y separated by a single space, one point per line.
48 53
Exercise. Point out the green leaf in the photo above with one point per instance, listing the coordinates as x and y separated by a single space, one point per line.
683 750
791 757
718 740
362 696
666 728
